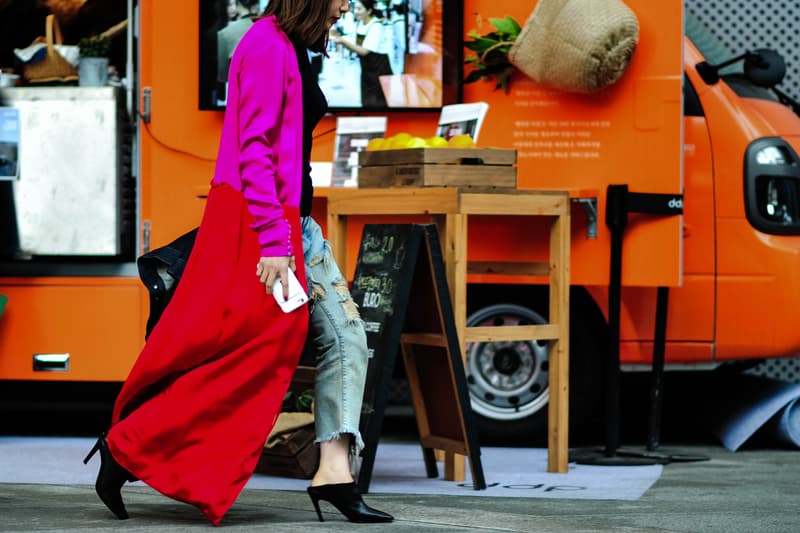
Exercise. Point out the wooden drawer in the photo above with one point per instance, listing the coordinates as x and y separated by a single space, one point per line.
97 326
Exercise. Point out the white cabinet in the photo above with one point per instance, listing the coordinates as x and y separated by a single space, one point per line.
67 198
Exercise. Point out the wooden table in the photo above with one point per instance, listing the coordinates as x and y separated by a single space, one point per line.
450 208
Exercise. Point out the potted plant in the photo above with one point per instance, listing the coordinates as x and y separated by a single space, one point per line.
93 64
490 58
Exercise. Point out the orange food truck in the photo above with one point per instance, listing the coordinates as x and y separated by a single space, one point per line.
728 145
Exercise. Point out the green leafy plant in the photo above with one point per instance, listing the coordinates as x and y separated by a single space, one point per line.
298 403
490 58
95 46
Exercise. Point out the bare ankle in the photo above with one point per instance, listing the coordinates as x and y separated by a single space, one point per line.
331 474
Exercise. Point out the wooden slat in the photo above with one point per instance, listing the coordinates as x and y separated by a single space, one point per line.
512 333
469 176
411 201
437 176
542 203
424 339
510 268
448 156
446 445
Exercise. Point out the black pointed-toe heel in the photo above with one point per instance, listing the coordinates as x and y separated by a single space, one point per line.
347 499
110 478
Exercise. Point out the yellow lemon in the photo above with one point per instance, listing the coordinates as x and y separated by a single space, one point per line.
461 141
375 144
416 142
437 142
399 140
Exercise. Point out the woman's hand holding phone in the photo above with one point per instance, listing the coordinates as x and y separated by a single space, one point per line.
277 275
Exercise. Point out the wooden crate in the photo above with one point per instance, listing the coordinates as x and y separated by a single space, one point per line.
293 454
438 167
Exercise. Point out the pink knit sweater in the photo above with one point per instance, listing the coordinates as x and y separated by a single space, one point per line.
260 152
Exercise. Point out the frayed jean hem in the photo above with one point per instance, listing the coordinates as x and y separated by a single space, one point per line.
358 443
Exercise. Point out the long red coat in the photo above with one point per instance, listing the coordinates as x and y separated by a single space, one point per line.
192 417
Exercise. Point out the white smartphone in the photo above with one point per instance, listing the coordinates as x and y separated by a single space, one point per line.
297 295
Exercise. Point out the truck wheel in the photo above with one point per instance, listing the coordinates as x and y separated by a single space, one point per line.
508 380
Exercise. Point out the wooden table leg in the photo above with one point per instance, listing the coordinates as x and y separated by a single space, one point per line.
454 464
455 260
558 408
457 275
337 238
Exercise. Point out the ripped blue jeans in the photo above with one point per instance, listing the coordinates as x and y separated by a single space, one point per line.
339 341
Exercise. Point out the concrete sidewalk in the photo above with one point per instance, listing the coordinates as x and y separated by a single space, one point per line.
750 491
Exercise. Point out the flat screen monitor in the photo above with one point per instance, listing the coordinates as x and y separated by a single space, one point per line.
415 51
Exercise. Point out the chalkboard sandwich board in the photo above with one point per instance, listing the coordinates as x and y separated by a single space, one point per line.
401 289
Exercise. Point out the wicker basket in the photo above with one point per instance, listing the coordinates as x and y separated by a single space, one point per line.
53 67
578 46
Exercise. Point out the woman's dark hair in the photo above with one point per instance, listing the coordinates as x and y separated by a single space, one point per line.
302 20
369 5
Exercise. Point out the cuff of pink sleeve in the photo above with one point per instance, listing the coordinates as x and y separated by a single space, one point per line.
275 239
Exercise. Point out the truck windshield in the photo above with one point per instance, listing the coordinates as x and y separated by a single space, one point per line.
715 52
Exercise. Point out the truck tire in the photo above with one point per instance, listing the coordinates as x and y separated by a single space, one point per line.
508 380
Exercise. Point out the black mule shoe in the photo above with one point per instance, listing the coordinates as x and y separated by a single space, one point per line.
347 499
110 478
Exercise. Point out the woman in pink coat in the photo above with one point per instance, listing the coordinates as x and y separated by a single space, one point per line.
194 413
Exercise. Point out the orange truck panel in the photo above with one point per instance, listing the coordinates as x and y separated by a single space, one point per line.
757 310
629 133
729 294
698 207
99 322
757 288
179 145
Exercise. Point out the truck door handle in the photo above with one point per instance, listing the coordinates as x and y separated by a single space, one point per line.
50 362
